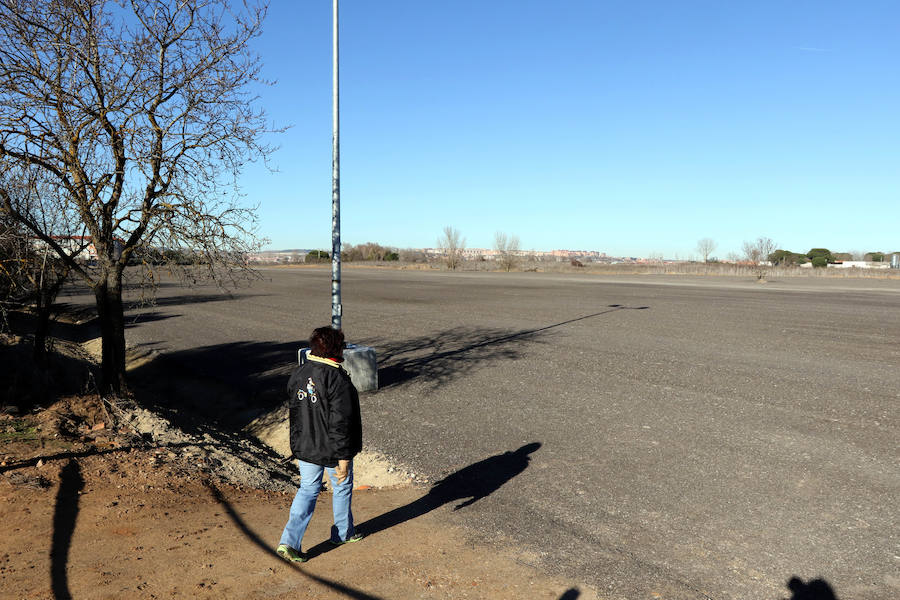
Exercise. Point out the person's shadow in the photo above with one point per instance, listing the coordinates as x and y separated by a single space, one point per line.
65 515
469 484
814 589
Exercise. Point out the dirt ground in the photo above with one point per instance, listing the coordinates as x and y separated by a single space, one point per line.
93 507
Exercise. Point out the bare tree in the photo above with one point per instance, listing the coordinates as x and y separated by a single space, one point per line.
373 251
41 273
367 251
451 245
705 247
412 255
13 286
507 248
140 112
758 253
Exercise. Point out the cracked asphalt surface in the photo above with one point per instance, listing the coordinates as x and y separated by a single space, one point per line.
699 437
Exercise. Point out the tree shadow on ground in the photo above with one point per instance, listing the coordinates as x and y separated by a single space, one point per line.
77 322
65 514
261 544
155 301
25 323
227 384
236 382
287 476
74 328
70 455
214 392
438 358
133 320
470 484
814 589
24 385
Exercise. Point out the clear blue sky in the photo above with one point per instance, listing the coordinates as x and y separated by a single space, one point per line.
631 127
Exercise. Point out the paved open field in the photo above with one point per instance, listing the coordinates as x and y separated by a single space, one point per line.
699 437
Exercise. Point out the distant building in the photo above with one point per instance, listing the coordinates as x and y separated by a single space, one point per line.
278 257
80 247
857 264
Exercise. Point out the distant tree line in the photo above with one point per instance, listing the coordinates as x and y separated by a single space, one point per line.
370 251
764 250
821 257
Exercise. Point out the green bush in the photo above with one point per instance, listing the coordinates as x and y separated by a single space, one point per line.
779 257
820 252
819 262
787 258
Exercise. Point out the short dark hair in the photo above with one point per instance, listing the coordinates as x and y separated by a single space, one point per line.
327 342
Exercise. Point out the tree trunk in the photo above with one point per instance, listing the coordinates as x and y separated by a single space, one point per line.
42 328
46 296
111 315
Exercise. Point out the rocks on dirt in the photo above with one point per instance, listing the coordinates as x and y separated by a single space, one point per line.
122 432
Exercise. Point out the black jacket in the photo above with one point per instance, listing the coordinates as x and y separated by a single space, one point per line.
324 413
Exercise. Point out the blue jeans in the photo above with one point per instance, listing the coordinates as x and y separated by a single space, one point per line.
305 503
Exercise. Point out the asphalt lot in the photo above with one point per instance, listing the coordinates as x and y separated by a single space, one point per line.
699 437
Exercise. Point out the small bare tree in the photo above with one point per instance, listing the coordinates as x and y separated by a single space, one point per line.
451 245
412 255
507 248
705 247
140 113
757 253
36 272
13 286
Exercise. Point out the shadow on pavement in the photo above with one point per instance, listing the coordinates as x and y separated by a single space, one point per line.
134 320
76 327
65 514
77 322
814 589
25 323
570 594
470 484
229 384
438 358
253 537
155 301
238 381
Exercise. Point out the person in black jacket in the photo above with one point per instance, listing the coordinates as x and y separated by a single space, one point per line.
325 434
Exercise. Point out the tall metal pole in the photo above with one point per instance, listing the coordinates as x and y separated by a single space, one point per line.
336 309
